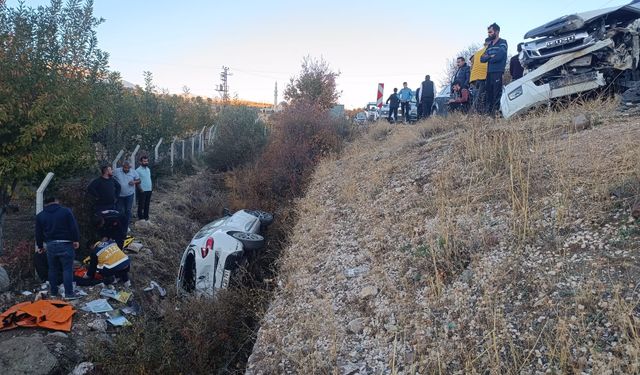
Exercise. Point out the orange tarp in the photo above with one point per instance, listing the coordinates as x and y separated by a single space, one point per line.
51 314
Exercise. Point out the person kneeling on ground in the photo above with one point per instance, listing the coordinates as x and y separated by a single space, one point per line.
110 224
109 261
460 101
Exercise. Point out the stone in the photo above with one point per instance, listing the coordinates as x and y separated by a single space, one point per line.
356 326
581 122
99 325
135 247
368 291
635 212
82 368
5 283
26 355
58 334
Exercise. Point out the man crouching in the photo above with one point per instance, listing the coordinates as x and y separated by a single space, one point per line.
110 262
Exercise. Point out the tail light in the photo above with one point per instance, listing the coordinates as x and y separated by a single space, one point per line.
208 247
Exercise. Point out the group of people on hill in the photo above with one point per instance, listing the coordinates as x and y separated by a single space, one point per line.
58 235
476 87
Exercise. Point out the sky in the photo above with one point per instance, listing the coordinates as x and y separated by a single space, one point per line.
186 43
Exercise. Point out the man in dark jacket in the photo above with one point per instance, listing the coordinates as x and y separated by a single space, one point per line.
427 94
496 57
418 106
463 73
393 106
515 69
105 190
57 235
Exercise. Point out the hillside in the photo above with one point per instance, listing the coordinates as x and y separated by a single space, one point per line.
464 245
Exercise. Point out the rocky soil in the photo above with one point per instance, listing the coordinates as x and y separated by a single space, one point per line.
463 246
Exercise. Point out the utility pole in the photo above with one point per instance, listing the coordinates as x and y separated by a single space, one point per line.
223 87
275 97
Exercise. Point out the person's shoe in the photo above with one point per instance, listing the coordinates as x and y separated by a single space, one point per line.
71 297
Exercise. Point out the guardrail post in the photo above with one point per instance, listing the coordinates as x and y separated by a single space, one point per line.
193 146
202 139
210 140
40 192
132 159
156 151
114 164
172 148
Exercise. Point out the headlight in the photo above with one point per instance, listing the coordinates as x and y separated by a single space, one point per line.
515 93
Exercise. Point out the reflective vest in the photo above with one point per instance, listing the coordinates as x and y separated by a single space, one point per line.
478 69
109 255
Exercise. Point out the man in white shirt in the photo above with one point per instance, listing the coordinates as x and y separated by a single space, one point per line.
144 189
128 179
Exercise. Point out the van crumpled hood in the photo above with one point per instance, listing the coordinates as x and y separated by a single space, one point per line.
565 24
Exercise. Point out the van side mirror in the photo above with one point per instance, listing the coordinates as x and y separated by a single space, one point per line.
226 212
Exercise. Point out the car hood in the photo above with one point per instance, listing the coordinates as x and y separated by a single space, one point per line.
565 24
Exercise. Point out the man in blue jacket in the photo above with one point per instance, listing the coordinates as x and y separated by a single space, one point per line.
496 57
405 95
57 234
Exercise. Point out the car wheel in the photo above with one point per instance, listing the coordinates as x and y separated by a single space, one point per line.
188 276
265 218
250 241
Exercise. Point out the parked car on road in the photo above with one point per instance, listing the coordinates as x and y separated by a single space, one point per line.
219 251
373 114
574 54
440 104
360 118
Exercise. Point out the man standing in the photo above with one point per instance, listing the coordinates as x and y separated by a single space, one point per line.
478 78
405 95
496 57
515 69
128 179
418 106
427 94
105 190
393 106
57 235
463 73
145 188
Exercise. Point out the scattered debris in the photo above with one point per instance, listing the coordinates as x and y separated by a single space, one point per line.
154 285
353 272
50 314
98 325
97 306
82 368
121 296
117 319
135 247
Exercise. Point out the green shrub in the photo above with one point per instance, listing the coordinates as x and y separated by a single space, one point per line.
238 138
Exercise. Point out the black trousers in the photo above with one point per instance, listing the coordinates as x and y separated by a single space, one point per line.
426 105
406 107
393 111
493 88
479 96
144 199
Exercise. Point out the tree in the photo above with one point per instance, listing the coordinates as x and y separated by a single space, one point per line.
451 67
49 61
316 84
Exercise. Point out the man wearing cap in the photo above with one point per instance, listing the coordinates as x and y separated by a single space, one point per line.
57 235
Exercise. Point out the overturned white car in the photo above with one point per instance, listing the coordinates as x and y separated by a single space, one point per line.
219 250
575 54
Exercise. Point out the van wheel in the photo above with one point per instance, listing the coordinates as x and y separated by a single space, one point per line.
250 241
265 218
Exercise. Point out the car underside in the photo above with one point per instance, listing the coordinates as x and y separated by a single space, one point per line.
574 55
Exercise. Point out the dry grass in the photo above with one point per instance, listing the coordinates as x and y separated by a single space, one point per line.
491 244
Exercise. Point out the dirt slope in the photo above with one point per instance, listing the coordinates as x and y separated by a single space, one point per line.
463 245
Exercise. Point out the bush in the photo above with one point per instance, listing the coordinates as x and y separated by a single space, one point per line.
239 137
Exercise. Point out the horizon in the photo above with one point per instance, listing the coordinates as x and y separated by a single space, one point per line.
264 43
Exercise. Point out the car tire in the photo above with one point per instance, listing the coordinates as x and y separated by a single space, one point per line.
266 218
250 241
